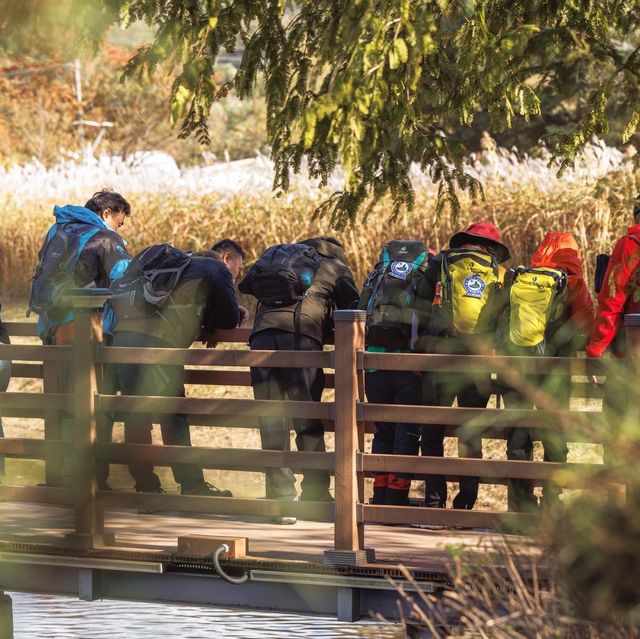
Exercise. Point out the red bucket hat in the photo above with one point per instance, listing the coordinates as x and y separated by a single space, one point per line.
484 234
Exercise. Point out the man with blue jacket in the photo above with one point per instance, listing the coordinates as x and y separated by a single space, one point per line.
98 255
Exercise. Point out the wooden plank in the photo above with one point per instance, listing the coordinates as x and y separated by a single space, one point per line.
227 421
471 417
200 406
441 517
209 357
204 546
218 458
32 448
22 329
466 467
27 371
481 364
307 510
36 403
27 353
232 336
231 378
36 494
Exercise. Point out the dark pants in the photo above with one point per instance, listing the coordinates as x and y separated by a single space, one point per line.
520 440
472 391
295 384
164 381
394 387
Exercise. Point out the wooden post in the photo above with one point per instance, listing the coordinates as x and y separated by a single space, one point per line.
88 522
347 536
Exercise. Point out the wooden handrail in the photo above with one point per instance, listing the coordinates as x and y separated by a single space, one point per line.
206 357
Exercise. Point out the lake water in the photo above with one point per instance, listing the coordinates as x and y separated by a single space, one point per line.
48 617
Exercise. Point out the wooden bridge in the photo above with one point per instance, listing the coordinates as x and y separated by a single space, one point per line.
335 560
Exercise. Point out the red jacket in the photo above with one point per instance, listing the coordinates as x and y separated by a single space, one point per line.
620 292
560 250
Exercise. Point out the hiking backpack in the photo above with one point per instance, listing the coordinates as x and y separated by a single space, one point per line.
54 274
282 275
537 302
467 296
147 284
391 292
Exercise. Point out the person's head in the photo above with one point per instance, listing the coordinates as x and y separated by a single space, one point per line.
636 210
111 207
484 234
231 254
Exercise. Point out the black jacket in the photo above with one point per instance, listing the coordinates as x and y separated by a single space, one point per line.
205 298
333 287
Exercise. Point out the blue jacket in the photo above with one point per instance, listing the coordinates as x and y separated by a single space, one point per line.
101 258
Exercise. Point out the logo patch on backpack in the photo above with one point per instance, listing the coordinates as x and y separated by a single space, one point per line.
474 286
401 270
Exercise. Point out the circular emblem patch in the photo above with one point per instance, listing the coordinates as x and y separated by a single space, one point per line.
401 270
474 286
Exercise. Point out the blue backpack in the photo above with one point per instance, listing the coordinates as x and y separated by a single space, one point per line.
55 273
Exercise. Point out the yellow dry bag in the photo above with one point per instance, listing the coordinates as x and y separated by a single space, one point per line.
535 300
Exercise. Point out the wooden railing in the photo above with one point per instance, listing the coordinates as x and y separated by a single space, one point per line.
348 415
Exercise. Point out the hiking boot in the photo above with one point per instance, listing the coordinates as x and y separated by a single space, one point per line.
151 511
205 490
284 520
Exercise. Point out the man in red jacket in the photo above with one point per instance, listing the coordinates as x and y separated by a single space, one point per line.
620 292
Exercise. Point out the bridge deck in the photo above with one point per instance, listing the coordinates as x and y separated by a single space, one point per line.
421 549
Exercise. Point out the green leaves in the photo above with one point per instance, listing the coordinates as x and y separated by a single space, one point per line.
374 85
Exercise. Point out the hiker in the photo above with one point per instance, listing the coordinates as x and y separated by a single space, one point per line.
82 249
295 306
169 299
548 312
465 287
5 378
618 296
397 316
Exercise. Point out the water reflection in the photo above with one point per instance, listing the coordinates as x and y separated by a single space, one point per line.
48 617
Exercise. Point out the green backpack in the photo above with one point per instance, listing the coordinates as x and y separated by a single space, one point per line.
389 294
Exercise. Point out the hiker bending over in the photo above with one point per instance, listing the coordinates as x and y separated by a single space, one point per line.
168 299
294 312
548 311
618 295
82 249
465 285
395 299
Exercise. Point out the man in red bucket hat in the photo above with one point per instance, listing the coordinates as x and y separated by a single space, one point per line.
466 282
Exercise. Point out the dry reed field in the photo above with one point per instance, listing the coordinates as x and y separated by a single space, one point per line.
523 197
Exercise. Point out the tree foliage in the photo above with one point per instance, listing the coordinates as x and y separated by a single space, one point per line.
373 85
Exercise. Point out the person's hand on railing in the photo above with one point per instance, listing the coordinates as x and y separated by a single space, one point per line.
244 315
593 380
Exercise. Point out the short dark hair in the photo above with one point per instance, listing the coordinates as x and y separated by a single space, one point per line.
106 199
230 246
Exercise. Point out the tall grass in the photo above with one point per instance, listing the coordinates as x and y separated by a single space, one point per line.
520 198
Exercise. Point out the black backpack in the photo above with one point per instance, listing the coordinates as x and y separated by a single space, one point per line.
55 272
282 275
390 290
148 282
